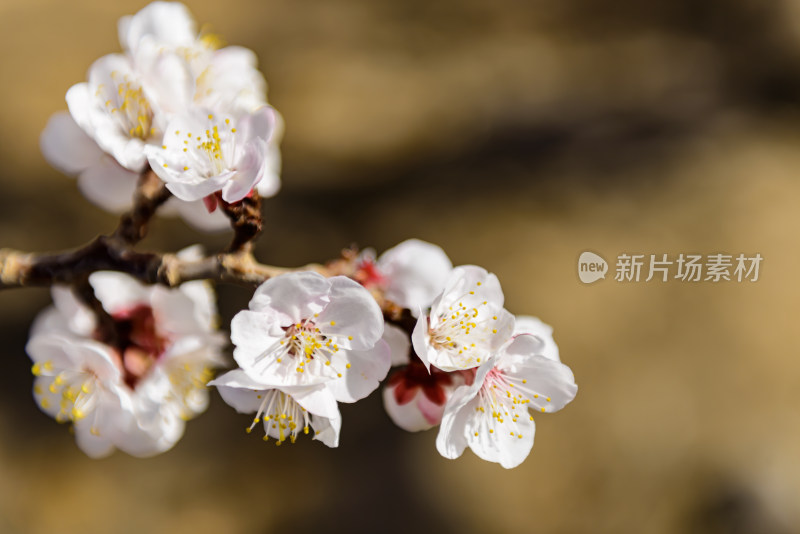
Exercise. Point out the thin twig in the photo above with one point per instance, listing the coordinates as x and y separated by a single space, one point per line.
115 253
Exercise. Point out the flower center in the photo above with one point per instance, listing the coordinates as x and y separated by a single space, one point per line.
128 103
461 330
305 343
505 398
415 375
138 342
211 152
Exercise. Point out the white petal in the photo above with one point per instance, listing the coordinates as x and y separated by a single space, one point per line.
79 103
87 106
411 416
231 82
66 146
95 446
270 182
253 334
74 354
327 429
367 369
80 319
297 296
399 343
202 295
249 170
258 125
470 285
47 401
550 385
108 185
422 347
154 427
452 440
504 325
317 400
508 445
188 185
168 23
175 312
416 272
168 80
51 322
526 324
239 390
118 291
353 313
256 329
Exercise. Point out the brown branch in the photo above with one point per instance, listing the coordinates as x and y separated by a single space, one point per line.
115 253
22 269
245 217
150 194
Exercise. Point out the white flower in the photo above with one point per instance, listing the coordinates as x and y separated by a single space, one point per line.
167 68
410 274
467 323
492 416
526 324
203 155
225 80
285 411
303 329
135 394
115 111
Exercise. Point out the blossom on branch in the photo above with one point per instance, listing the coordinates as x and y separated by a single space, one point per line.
302 329
205 154
491 416
167 70
410 274
132 388
467 323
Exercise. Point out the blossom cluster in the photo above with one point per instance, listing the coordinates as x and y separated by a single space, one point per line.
476 370
127 363
136 391
175 101
307 342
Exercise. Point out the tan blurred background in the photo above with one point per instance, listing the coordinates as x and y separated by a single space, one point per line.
516 135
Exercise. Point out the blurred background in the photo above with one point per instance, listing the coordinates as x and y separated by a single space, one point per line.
515 135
